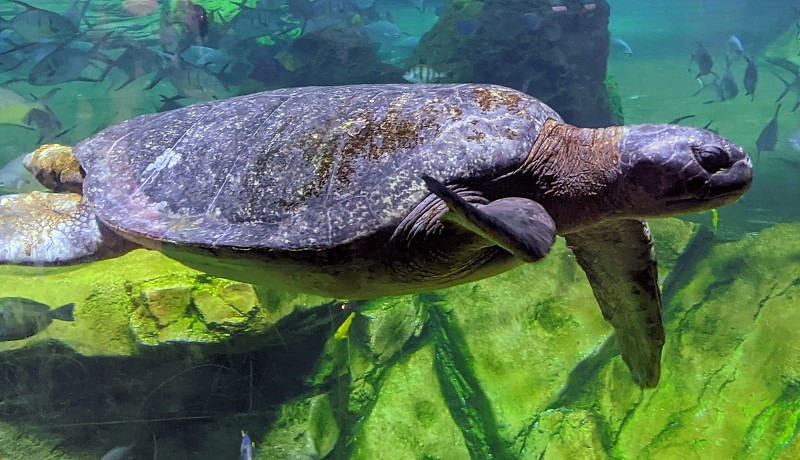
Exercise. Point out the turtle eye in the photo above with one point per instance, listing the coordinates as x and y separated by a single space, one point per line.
712 158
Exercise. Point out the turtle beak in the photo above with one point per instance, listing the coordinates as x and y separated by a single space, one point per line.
729 184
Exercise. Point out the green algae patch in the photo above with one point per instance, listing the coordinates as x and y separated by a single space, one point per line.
730 361
672 236
305 428
409 420
526 330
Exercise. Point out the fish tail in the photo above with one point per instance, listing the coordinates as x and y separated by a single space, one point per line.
786 87
64 312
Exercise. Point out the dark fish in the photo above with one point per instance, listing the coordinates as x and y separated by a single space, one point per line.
68 62
136 61
703 59
170 103
750 78
17 110
675 121
21 318
769 135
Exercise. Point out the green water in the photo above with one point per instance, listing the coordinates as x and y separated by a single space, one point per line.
176 363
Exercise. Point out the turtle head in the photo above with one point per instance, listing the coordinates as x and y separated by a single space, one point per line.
670 169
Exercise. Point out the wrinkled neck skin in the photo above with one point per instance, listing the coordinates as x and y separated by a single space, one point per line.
577 187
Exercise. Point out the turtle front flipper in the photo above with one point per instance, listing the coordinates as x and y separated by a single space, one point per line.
53 228
619 260
518 225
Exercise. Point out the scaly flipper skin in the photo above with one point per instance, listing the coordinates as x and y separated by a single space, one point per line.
53 228
518 225
619 260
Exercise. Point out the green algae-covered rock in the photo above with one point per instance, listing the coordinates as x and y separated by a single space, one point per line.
784 51
410 418
306 428
145 299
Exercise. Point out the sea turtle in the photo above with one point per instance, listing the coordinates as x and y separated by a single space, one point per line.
363 191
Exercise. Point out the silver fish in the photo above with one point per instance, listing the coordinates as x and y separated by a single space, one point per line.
119 453
623 45
21 318
68 62
35 24
15 178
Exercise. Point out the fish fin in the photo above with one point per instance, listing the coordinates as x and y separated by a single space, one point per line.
519 225
46 97
28 6
159 76
786 87
64 312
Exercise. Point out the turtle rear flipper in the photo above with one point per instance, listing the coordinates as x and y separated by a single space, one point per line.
53 229
518 225
619 260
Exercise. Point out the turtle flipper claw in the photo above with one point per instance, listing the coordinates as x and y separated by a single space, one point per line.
518 225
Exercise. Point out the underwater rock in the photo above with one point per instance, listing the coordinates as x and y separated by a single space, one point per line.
410 419
386 325
560 58
563 434
784 51
306 428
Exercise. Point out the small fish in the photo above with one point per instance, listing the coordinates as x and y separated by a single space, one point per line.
769 135
422 73
170 103
794 140
383 32
248 447
750 78
622 45
15 178
675 121
703 60
136 61
21 318
735 48
119 453
714 219
344 328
